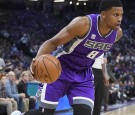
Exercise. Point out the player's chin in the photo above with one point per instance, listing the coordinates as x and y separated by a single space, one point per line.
116 27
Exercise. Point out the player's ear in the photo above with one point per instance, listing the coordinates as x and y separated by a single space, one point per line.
103 14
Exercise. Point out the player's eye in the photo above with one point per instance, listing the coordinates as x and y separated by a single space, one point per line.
116 15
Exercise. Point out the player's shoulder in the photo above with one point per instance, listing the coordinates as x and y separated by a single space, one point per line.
119 34
79 25
88 19
83 20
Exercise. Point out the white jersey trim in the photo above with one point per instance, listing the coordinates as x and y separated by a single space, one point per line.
43 96
84 98
116 37
61 53
75 44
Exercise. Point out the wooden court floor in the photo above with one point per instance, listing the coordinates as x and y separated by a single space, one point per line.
117 109
127 110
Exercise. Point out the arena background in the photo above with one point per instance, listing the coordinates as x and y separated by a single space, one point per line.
39 20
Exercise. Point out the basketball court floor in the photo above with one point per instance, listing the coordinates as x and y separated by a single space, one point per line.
126 108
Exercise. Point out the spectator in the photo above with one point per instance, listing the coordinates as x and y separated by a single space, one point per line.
12 91
10 103
2 64
22 88
24 42
113 94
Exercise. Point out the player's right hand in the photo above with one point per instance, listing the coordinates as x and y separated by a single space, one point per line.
31 71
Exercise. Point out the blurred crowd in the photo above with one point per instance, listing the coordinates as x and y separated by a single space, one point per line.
13 92
23 31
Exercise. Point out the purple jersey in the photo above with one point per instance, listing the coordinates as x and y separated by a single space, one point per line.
80 53
77 57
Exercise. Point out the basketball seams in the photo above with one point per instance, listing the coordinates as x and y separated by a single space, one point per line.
58 68
46 69
37 70
54 64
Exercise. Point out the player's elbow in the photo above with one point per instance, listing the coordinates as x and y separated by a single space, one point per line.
52 43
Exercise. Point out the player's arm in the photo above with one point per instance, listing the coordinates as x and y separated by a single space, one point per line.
77 27
119 35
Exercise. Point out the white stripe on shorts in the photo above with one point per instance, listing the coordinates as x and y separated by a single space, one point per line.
43 96
84 98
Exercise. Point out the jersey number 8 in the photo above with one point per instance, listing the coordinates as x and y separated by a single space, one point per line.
92 54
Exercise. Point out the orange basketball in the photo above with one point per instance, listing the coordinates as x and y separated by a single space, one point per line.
46 68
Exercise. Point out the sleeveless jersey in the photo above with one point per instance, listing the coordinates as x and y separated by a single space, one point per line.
80 53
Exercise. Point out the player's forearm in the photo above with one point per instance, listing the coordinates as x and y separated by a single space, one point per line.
46 48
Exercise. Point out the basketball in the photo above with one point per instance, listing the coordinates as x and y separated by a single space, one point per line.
46 68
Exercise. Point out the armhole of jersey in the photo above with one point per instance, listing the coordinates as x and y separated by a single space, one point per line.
90 20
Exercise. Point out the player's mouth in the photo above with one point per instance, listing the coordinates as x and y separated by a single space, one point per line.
118 24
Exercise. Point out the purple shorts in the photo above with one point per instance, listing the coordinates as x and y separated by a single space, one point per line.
77 85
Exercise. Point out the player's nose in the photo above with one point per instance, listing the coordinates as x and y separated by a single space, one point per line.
120 19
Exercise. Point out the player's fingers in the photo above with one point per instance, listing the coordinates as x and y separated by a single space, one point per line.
31 71
33 60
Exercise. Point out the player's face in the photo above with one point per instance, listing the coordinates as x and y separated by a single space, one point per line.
113 17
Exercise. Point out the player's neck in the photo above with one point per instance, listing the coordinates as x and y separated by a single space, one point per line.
103 28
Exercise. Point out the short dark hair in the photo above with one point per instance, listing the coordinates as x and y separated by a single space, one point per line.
108 4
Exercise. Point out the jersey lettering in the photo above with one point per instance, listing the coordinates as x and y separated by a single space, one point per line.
92 54
97 45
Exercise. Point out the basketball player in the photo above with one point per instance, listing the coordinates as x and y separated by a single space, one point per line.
83 40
